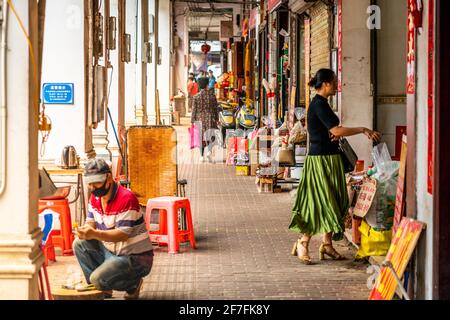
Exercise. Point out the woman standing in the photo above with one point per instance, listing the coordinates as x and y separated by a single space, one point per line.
204 110
322 201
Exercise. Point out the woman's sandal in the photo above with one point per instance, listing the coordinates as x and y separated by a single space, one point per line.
305 258
326 249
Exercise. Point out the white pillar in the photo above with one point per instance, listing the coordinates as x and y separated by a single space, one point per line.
357 101
163 70
20 256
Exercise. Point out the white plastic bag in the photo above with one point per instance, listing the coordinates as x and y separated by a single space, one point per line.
381 213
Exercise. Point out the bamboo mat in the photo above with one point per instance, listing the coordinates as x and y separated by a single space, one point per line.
152 162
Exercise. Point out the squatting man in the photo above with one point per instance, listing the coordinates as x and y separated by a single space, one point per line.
113 247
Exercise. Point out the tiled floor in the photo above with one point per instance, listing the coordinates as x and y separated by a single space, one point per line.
243 246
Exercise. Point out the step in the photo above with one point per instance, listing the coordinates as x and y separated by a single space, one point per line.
375 260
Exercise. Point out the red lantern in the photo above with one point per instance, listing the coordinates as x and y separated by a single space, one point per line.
206 48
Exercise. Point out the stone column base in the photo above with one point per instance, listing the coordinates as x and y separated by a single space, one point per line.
20 261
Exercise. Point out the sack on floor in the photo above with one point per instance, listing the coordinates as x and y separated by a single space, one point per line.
373 243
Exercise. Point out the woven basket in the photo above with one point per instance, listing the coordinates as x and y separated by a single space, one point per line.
151 161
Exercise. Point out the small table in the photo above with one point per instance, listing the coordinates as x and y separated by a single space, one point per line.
79 191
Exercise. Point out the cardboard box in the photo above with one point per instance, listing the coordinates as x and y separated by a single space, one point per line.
265 185
242 170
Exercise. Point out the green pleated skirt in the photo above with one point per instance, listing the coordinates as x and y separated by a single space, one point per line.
321 204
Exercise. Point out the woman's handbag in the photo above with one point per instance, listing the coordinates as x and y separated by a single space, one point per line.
349 156
194 136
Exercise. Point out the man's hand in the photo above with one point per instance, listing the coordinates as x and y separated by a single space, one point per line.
86 232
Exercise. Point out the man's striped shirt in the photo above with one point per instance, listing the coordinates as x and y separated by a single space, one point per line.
123 213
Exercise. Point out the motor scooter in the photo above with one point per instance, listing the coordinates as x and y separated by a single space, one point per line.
246 116
227 120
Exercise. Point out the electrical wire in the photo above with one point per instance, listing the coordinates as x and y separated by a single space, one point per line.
33 60
110 117
45 134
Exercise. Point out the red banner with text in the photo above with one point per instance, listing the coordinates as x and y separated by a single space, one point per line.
431 83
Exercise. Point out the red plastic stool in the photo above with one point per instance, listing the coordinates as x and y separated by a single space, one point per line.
49 251
61 238
168 232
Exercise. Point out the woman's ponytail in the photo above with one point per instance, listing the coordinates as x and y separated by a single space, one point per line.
322 76
313 82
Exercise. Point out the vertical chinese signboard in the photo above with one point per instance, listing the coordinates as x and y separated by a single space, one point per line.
431 55
399 254
411 54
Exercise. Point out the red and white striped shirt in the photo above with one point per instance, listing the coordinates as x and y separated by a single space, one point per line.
122 212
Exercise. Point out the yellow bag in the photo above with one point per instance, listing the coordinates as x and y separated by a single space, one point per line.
373 243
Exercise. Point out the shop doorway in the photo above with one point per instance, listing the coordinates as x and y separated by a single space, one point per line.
389 48
441 219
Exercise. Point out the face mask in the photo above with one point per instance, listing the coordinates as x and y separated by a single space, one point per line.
102 191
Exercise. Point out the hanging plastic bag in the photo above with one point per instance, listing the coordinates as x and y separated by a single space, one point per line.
194 136
383 161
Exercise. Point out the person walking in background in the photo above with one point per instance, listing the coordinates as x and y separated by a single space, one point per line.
212 80
192 90
202 74
322 202
205 111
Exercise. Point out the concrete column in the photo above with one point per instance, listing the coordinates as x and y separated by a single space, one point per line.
20 256
163 70
356 109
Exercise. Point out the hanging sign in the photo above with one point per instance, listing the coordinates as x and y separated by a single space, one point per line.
365 198
399 254
430 95
414 22
57 93
273 4
253 16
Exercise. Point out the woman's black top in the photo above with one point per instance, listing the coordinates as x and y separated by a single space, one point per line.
321 119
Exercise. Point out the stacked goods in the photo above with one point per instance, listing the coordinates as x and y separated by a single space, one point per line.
265 177
242 158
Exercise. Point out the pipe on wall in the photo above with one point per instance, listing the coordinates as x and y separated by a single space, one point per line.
3 108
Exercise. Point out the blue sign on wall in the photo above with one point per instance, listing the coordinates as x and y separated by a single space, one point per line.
57 93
